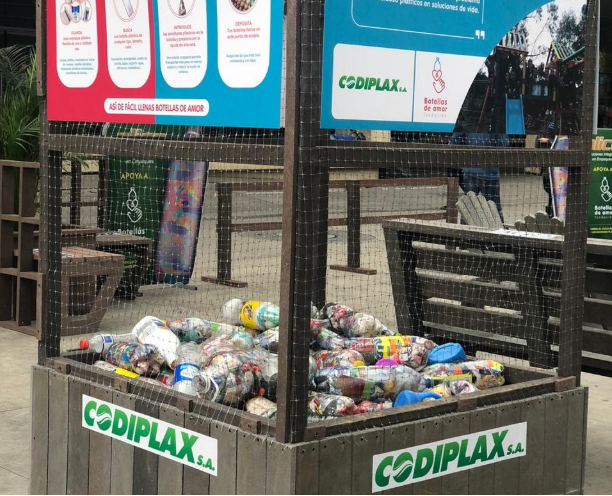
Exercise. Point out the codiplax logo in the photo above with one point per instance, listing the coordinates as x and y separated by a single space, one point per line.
370 83
159 437
428 461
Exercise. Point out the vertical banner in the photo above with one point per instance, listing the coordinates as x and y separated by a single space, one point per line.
600 189
558 180
180 222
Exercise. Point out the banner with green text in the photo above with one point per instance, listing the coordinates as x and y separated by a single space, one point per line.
600 189
428 461
170 441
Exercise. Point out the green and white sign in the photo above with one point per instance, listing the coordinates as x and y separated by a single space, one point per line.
600 187
164 439
428 461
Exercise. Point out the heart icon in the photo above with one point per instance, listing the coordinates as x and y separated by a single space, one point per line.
131 204
437 74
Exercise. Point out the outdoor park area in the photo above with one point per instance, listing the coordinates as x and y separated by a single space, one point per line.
268 247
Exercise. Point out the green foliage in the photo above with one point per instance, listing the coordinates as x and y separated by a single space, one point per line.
571 31
19 105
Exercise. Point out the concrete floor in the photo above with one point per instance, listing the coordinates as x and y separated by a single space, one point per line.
256 259
18 352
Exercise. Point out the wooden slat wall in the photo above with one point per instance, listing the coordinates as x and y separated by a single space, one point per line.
78 439
40 429
122 454
58 434
100 449
170 473
254 464
196 481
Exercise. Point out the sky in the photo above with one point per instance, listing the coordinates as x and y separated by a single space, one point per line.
540 34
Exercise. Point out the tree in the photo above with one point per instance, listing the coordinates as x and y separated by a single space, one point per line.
570 32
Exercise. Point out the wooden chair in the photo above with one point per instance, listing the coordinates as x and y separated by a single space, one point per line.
477 211
541 223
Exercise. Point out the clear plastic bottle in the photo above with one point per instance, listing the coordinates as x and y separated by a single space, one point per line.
151 330
187 367
101 343
371 383
232 377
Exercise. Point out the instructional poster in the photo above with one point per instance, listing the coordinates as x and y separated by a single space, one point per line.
188 62
407 65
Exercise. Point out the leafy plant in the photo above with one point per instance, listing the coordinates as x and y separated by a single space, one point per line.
19 105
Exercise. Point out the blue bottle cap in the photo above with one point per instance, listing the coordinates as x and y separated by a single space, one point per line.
410 398
447 353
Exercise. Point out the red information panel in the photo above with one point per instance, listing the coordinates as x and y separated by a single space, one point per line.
79 79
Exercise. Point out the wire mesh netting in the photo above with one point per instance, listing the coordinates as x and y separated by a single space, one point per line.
325 279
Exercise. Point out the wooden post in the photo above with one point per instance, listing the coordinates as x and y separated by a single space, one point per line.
102 193
75 192
50 238
353 207
353 229
576 220
224 239
452 196
294 320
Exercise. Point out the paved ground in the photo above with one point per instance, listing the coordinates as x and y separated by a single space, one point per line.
256 259
19 353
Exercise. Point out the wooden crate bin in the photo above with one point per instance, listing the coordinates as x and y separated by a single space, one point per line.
336 458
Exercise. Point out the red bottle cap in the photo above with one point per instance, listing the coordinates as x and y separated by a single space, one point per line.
84 344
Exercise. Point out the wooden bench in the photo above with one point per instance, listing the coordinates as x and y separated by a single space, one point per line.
493 291
353 220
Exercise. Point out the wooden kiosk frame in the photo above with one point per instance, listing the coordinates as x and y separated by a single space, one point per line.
288 455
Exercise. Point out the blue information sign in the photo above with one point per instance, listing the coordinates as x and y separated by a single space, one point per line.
407 64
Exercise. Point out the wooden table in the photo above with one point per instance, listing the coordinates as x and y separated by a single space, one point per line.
89 280
116 243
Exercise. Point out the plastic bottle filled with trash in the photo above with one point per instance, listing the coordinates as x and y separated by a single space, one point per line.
258 315
238 340
349 323
194 329
341 358
372 406
268 340
232 377
102 342
188 366
326 339
153 331
447 389
388 346
370 383
484 374
166 376
262 407
142 359
330 405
